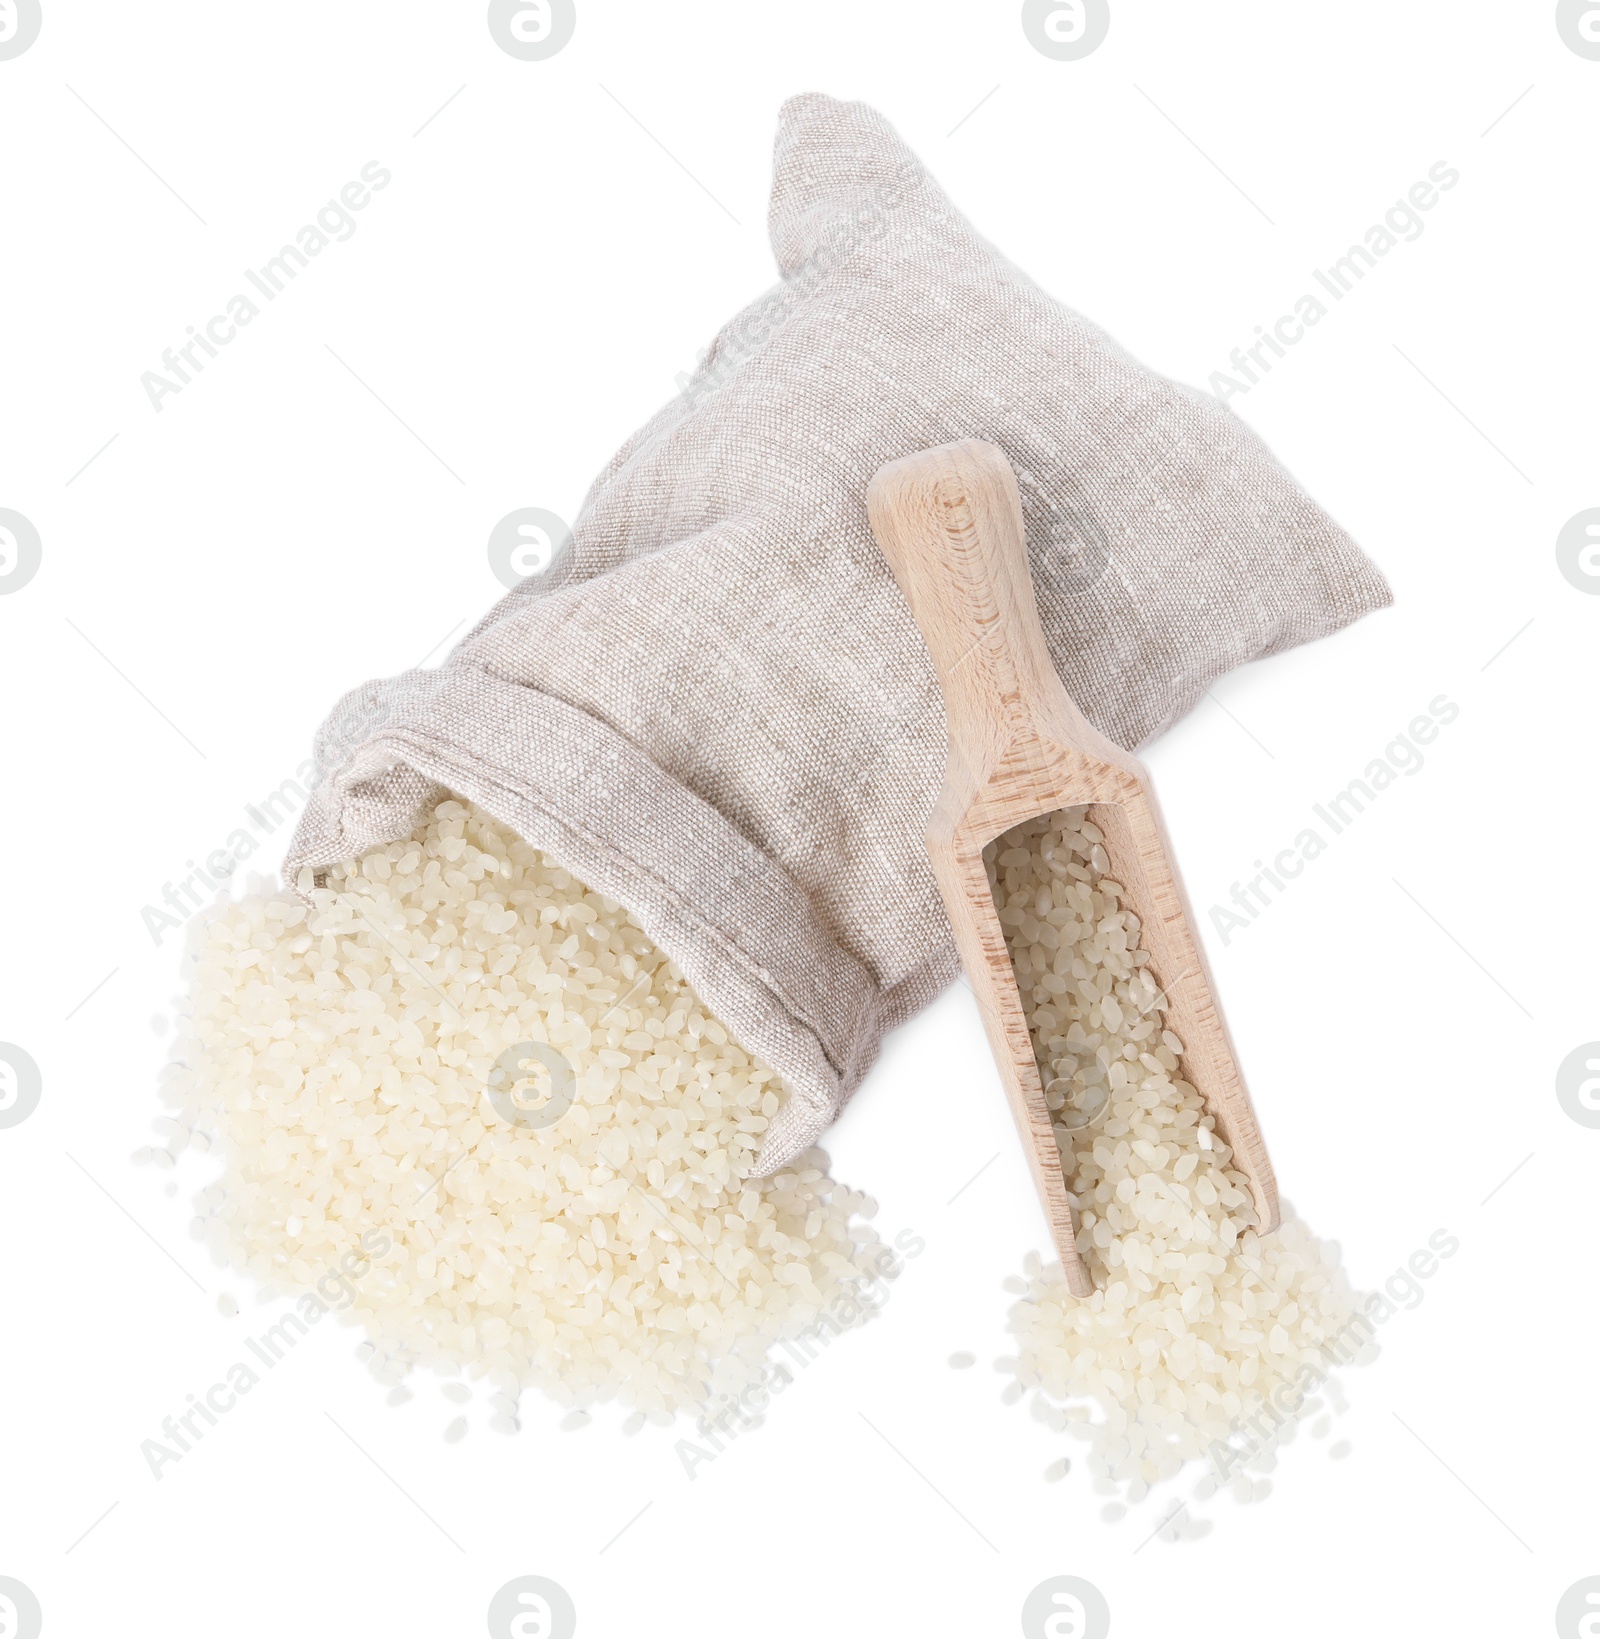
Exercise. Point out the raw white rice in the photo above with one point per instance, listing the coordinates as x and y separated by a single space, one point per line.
1195 1318
340 1053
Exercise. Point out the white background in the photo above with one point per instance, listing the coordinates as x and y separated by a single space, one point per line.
555 248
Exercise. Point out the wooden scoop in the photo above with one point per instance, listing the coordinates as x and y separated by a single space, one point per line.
950 523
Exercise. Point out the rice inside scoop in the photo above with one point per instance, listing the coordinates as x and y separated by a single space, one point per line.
1196 1318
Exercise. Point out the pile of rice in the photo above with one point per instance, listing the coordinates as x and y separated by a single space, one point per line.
339 1053
1196 1319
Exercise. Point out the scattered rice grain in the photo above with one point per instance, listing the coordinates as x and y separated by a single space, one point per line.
1196 1319
340 1051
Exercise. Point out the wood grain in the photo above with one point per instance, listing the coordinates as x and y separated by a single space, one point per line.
949 522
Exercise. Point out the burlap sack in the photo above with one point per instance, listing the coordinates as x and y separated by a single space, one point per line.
715 707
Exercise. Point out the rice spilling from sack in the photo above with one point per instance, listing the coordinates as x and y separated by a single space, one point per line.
1196 1319
596 1233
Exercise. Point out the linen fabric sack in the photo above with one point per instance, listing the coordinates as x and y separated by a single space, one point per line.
714 706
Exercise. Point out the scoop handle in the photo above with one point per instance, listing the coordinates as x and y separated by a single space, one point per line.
949 522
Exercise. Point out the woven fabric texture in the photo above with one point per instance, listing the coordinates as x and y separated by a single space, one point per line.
714 705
